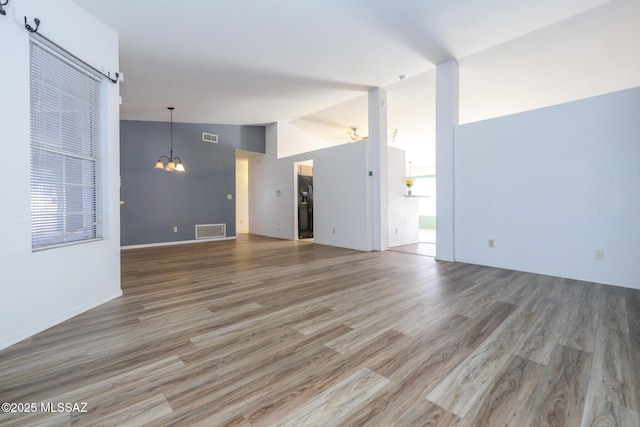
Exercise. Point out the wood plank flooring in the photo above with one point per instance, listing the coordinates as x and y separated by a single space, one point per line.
264 332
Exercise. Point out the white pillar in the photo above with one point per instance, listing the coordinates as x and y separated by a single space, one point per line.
379 167
447 106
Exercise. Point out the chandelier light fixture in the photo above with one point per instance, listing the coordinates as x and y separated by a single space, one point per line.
174 164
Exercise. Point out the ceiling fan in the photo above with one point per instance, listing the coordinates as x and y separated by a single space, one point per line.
354 136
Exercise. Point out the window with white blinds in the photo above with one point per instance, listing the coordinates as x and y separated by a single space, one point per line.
65 150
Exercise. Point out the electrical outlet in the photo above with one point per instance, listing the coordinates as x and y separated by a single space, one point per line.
278 226
333 230
175 228
229 196
599 254
491 243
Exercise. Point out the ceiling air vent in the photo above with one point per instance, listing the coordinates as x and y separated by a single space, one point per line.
210 137
211 231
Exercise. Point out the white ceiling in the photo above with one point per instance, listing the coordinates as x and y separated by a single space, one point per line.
261 61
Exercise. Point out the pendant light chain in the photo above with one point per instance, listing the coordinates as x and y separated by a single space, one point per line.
174 164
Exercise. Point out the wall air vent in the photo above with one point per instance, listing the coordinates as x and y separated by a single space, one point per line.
210 137
211 231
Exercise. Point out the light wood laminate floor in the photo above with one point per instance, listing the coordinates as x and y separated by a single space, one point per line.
267 332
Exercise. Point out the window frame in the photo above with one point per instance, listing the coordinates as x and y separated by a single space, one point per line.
66 163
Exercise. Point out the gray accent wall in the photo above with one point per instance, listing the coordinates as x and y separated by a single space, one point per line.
156 201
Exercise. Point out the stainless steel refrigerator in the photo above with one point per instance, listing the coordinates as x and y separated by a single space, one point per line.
305 207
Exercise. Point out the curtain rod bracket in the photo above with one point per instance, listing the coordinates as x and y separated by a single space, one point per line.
29 27
113 80
35 30
2 4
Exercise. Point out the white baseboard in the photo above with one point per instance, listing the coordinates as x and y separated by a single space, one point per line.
181 242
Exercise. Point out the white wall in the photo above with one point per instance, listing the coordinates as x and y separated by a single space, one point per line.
242 195
271 191
551 186
340 180
44 288
293 140
342 194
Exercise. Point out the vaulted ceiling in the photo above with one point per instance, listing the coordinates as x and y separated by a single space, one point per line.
312 61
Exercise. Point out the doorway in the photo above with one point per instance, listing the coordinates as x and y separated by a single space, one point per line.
242 194
426 186
423 192
305 199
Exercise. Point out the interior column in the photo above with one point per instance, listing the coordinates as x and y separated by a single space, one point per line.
379 168
447 107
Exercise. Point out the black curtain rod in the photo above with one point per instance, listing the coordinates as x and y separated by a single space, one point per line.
35 30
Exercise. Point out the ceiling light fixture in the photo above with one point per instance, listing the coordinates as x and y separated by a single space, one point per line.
174 164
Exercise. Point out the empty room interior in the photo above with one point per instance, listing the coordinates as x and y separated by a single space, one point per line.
327 213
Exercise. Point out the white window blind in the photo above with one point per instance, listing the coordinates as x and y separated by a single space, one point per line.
65 150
